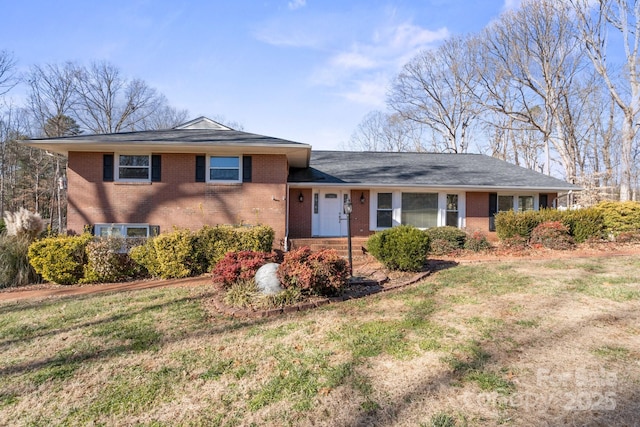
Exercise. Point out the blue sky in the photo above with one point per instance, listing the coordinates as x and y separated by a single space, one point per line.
304 70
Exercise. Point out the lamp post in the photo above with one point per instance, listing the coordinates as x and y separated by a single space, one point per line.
348 208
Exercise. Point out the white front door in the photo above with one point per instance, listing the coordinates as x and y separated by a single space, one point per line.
332 219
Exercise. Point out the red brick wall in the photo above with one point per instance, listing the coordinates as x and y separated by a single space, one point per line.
477 205
177 200
300 213
360 213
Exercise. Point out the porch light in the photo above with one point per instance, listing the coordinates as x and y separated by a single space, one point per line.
362 199
300 197
348 208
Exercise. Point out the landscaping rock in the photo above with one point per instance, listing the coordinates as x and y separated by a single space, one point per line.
267 280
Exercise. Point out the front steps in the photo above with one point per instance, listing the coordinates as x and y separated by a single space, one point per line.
340 244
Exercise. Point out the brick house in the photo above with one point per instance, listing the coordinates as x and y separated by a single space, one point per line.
203 173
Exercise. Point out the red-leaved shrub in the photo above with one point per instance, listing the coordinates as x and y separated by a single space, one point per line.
552 235
321 273
237 266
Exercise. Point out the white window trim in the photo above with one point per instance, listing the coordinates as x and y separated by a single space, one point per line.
396 204
216 181
122 226
516 206
116 169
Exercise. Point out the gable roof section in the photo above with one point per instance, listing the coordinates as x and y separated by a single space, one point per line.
437 170
197 136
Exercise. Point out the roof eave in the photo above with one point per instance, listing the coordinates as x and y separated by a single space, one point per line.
354 185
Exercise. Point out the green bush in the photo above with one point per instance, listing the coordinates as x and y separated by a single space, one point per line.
213 243
60 259
445 240
552 235
106 261
584 224
174 255
15 269
3 227
182 253
319 273
402 248
620 217
511 224
145 256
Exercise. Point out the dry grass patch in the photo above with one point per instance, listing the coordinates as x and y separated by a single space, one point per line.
513 343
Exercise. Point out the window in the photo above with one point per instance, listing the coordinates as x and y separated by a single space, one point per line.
505 203
452 210
123 230
133 167
384 215
525 203
224 169
420 209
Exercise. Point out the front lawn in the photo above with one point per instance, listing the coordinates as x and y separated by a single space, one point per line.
514 343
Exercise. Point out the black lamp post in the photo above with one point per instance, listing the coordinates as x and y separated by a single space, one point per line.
348 208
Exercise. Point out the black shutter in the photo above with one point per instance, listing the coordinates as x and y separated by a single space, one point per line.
544 201
246 168
200 169
156 168
493 209
154 230
107 167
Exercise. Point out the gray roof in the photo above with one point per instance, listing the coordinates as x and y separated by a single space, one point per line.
421 169
198 136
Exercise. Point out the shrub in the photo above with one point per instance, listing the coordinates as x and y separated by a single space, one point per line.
60 259
145 256
443 247
628 237
477 242
283 298
516 224
552 235
174 254
238 266
321 273
453 235
515 243
106 261
584 224
620 217
212 243
402 248
15 269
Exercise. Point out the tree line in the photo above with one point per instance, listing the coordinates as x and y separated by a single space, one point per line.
63 100
553 86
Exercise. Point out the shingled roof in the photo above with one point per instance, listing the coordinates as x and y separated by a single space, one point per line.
197 136
438 170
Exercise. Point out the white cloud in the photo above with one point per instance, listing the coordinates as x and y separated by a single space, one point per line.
363 71
511 4
370 91
297 4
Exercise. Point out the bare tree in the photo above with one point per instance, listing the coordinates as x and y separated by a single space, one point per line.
436 89
108 102
386 132
594 20
530 58
8 77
